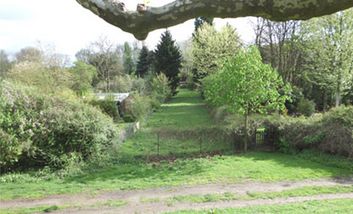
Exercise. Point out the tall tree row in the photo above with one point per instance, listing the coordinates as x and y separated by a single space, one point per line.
315 56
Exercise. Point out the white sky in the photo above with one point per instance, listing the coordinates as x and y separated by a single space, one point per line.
69 27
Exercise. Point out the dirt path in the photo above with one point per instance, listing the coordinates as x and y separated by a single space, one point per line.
162 207
134 204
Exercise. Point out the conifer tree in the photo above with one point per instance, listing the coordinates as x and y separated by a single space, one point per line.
167 59
143 64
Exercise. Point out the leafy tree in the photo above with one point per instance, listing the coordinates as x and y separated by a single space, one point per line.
168 59
211 46
106 58
143 63
5 64
84 55
83 75
246 85
186 73
278 43
328 54
45 79
128 61
30 54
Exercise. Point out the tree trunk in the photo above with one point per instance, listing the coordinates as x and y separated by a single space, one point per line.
246 131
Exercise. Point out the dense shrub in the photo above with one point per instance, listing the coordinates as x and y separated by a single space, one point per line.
337 125
295 96
331 132
47 80
38 130
159 87
136 108
306 107
109 107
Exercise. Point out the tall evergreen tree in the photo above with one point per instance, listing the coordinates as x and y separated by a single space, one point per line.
167 59
143 63
128 61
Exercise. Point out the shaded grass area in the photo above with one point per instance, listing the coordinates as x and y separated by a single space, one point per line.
303 191
129 170
309 207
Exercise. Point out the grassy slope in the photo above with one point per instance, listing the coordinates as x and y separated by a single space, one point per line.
186 111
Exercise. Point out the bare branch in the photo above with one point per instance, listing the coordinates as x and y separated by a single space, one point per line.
146 19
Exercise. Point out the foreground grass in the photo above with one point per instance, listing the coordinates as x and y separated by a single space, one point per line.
309 207
254 166
130 171
304 191
49 208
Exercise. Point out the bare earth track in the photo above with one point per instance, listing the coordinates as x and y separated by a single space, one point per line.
134 204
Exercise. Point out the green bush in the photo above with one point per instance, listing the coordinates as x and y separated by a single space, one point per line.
136 108
109 107
39 130
306 107
331 132
295 96
45 79
337 125
159 88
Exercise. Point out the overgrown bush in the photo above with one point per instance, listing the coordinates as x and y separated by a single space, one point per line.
159 87
295 96
331 132
47 80
337 125
39 130
306 107
136 108
108 106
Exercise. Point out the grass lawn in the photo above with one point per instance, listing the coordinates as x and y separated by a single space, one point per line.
184 113
309 207
130 171
228 196
254 166
48 208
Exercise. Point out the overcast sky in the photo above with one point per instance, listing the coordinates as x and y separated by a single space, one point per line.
69 27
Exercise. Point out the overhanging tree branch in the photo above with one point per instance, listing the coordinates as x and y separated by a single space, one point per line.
146 19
